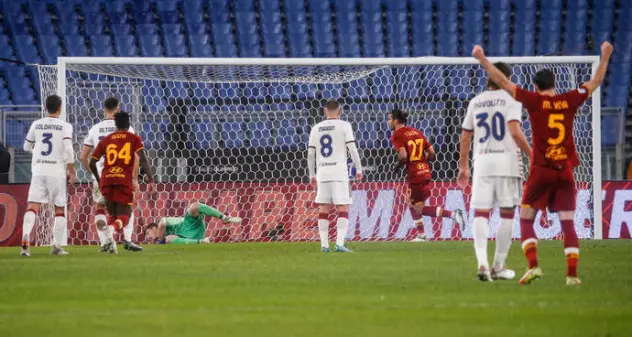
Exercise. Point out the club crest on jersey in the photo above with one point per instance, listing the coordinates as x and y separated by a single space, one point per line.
115 169
556 152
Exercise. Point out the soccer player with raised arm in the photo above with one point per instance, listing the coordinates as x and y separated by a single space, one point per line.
52 167
188 229
121 149
493 118
551 183
95 134
329 142
414 151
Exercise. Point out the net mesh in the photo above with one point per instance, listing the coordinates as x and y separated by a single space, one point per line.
235 137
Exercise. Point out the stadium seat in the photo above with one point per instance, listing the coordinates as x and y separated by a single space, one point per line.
225 50
196 28
349 45
222 34
260 134
42 23
101 45
233 134
25 49
16 133
125 46
150 46
175 45
200 45
75 45
523 44
146 29
171 28
274 50
287 137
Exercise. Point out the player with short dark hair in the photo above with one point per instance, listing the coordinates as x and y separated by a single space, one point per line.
551 183
189 229
53 167
414 151
95 134
115 182
493 118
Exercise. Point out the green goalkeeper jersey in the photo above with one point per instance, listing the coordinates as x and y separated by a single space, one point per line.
189 227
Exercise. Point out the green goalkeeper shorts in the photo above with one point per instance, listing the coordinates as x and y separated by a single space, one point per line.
189 227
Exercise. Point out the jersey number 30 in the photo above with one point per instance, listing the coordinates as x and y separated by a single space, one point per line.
496 129
112 153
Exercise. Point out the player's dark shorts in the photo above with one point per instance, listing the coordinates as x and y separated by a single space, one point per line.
418 193
550 188
118 194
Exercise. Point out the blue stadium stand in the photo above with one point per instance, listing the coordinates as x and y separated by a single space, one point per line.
150 46
175 45
125 45
203 135
101 45
233 134
200 45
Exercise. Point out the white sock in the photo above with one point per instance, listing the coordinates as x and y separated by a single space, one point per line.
102 233
323 232
503 242
341 226
109 233
419 223
27 225
129 229
481 231
58 231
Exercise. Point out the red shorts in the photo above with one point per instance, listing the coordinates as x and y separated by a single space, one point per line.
118 194
418 193
550 188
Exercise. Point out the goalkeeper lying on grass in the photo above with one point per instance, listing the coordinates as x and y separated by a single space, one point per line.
189 229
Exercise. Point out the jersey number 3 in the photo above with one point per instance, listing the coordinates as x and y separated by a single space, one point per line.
112 153
496 129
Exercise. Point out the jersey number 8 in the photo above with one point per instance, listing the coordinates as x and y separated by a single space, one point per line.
326 148
112 153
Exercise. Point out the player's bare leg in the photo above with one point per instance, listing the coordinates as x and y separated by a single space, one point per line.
503 243
323 227
59 228
529 244
27 226
571 247
342 225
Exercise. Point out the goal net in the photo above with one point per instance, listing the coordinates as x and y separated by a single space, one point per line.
232 133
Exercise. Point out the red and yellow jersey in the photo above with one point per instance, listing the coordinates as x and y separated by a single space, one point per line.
415 144
119 149
552 125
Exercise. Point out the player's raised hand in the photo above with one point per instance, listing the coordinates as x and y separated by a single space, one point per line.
463 179
359 176
478 52
606 49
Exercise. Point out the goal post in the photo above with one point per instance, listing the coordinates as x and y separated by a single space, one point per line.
232 132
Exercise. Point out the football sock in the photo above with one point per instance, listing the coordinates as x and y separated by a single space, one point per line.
529 242
571 247
59 227
129 229
210 211
481 232
436 212
419 222
503 240
101 231
323 229
341 226
27 224
184 241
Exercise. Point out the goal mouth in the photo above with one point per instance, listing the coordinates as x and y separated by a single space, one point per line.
232 133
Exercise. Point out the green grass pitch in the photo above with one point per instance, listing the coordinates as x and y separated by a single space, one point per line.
291 289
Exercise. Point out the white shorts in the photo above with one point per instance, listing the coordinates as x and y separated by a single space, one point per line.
96 194
47 190
336 192
504 192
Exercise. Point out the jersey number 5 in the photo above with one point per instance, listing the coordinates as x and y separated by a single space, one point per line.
555 123
112 153
418 149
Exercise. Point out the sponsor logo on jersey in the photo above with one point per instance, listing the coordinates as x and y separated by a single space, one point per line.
556 152
116 169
